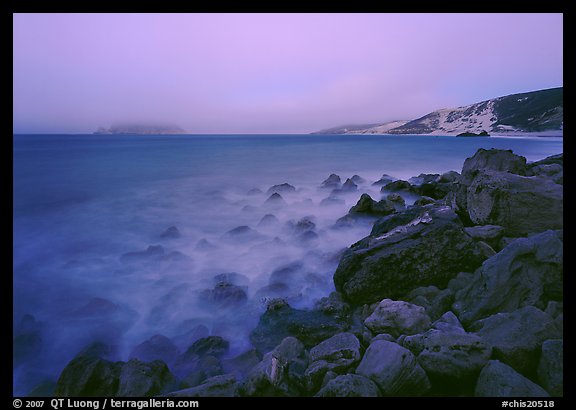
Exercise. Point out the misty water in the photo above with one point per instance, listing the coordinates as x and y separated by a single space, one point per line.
93 260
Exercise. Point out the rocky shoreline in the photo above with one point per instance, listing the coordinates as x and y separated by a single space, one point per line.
460 294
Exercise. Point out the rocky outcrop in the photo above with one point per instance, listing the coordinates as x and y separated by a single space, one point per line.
421 246
140 379
394 369
528 272
158 347
498 380
367 206
332 182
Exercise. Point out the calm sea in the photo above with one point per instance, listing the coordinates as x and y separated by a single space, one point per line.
82 201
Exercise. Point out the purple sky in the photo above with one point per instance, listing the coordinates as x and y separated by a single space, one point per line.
277 73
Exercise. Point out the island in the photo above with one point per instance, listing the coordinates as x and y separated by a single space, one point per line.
473 134
140 129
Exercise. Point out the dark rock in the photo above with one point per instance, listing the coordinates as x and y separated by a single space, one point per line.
435 301
342 350
139 379
186 339
281 188
268 220
551 160
158 347
280 373
281 320
493 160
333 305
523 205
527 272
483 133
223 296
204 368
418 247
460 281
243 233
423 179
89 376
218 386
287 273
275 290
394 369
448 355
425 200
349 186
448 323
349 385
189 361
516 337
275 200
332 182
450 176
399 185
357 179
305 238
153 252
171 233
367 206
491 234
551 367
397 318
303 225
385 179
498 380
242 364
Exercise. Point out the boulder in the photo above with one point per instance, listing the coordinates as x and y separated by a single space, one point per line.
332 182
399 185
232 278
223 296
551 367
217 386
281 188
171 233
242 364
184 340
254 191
280 373
516 337
421 246
527 272
523 205
349 385
449 323
448 177
357 179
397 318
499 380
139 379
367 206
268 220
349 186
385 179
342 350
394 369
448 354
281 320
423 179
242 233
332 201
333 305
202 369
425 200
189 361
89 376
435 301
494 160
158 347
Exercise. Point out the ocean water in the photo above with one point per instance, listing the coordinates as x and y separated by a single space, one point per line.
81 202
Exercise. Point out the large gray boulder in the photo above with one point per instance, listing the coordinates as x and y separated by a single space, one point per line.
367 206
494 160
551 367
499 380
280 373
523 205
397 318
89 376
454 355
394 369
516 337
421 246
139 379
528 272
349 385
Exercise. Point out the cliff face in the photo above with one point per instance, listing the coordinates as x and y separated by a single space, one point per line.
139 129
536 111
